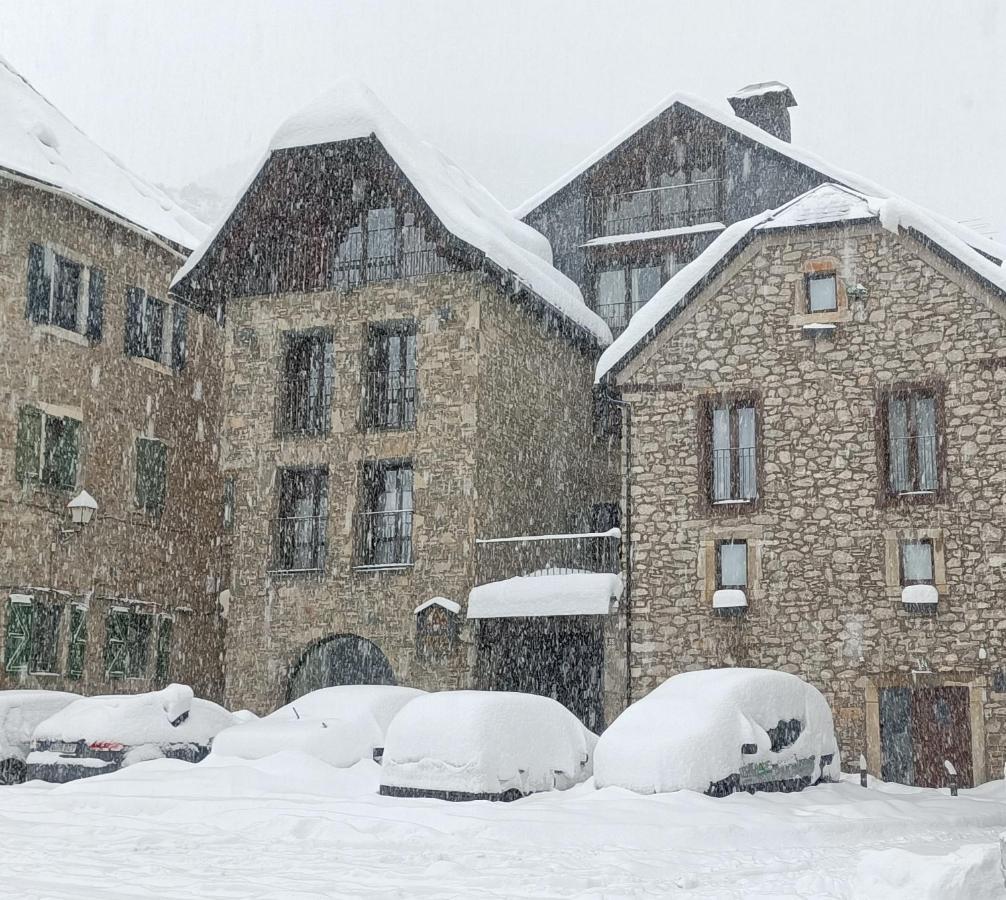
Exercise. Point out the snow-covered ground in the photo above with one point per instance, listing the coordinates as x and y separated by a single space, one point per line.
292 828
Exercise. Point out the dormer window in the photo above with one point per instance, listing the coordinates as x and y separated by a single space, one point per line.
822 292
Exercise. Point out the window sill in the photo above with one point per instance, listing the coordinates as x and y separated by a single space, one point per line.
748 502
389 567
294 572
153 365
63 334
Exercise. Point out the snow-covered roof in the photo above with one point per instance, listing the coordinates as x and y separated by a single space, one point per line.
752 132
41 144
822 205
450 605
573 594
760 89
654 235
351 111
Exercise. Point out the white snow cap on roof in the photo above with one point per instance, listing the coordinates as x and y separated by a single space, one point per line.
349 111
37 141
756 134
759 89
824 204
450 605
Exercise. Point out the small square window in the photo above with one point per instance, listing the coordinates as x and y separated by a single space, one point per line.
731 565
822 293
917 562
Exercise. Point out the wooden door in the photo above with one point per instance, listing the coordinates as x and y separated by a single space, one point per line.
941 730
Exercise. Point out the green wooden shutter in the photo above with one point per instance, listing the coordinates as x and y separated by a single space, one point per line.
162 664
179 336
39 285
95 305
29 444
17 646
151 474
134 321
78 641
116 632
63 452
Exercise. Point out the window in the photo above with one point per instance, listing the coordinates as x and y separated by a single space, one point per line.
162 662
77 650
47 449
228 507
56 293
390 389
731 565
623 289
382 244
303 516
912 439
386 518
734 451
155 330
306 391
151 474
822 292
32 638
917 562
127 648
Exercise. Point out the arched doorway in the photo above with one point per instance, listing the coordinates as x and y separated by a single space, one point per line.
339 659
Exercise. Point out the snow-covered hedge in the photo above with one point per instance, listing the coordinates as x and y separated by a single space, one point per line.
688 733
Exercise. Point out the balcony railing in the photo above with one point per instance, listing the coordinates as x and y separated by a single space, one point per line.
735 474
654 209
390 399
497 559
385 538
299 544
914 464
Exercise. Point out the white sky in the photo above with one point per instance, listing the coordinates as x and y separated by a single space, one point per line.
907 92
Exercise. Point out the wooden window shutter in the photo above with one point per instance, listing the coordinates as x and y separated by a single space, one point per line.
39 285
29 444
64 454
95 306
17 646
134 321
78 641
151 473
179 336
162 662
117 628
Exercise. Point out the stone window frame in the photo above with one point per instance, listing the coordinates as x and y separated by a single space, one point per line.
893 540
704 419
817 267
885 496
753 536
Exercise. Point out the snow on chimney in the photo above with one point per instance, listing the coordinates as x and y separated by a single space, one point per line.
765 104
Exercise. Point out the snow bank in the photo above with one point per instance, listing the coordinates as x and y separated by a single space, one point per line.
485 742
687 733
40 143
968 873
576 594
351 111
132 719
20 714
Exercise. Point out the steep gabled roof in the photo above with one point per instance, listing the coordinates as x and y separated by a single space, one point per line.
39 144
826 204
350 111
757 135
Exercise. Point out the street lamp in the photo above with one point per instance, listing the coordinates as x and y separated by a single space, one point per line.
82 508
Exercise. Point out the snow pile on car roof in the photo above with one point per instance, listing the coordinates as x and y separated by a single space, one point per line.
379 702
351 111
138 718
39 142
485 743
687 734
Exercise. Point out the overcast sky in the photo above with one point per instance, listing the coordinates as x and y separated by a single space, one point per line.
909 93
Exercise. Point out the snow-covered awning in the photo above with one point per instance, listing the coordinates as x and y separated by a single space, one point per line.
575 594
450 605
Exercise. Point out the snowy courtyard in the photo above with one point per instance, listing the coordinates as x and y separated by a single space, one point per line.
291 828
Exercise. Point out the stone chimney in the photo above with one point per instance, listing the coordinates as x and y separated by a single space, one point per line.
766 105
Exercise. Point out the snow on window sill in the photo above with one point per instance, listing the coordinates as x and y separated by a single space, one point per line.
730 599
744 502
385 567
63 334
920 595
315 571
915 494
153 365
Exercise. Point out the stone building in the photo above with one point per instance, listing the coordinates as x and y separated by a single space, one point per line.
815 471
112 388
406 374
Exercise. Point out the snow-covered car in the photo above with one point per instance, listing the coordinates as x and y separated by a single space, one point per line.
484 745
719 731
20 714
96 735
338 725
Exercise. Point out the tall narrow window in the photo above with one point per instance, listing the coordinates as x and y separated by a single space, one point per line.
731 565
382 244
162 662
305 394
912 442
303 517
47 449
386 518
390 389
646 281
228 504
609 297
734 450
146 317
151 474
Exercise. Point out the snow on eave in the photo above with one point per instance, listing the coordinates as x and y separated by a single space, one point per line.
752 132
654 235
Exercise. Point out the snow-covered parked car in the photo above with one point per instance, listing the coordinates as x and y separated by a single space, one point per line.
20 714
718 731
484 745
338 725
96 735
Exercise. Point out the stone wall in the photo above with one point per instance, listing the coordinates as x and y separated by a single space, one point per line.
825 600
169 564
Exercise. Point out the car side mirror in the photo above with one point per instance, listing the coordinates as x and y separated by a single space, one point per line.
749 749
